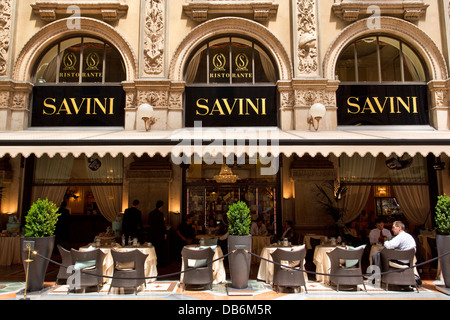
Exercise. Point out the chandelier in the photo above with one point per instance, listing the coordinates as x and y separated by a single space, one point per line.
226 175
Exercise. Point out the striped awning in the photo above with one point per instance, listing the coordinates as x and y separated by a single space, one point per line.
225 141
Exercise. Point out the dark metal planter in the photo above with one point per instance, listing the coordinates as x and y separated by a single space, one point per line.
240 260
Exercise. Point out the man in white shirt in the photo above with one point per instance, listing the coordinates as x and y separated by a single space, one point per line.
402 240
380 233
258 228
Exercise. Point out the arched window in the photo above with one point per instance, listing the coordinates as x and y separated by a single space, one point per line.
78 84
80 60
230 60
380 58
383 82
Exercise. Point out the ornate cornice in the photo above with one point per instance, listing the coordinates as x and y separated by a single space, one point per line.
352 10
109 10
262 10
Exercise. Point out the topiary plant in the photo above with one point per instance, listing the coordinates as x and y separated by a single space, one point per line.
239 219
442 216
41 219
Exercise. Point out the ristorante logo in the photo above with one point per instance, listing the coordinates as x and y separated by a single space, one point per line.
241 62
92 61
69 61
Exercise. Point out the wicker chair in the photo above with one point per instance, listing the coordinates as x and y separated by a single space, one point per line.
289 276
90 264
346 267
202 273
390 259
129 269
66 258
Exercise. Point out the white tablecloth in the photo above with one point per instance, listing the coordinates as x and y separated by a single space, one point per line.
108 263
219 273
258 244
265 271
10 252
322 262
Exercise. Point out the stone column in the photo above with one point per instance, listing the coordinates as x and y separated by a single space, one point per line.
439 92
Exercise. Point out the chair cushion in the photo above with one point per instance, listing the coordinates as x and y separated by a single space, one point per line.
85 265
194 263
397 264
125 266
352 263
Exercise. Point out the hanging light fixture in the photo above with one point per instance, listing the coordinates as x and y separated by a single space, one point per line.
225 175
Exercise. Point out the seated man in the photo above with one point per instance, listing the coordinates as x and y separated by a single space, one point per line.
258 228
401 241
380 233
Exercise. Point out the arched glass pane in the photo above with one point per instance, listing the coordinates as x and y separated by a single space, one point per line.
219 61
366 50
93 53
69 65
97 61
242 56
345 69
230 60
46 70
390 59
413 68
114 66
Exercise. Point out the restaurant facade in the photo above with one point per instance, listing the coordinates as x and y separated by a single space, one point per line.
280 104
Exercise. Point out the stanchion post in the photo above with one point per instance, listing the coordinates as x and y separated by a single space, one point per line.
28 246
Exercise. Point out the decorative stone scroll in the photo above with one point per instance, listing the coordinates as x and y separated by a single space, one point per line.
154 32
5 27
306 37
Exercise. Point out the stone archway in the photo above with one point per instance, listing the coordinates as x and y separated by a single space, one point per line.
226 26
419 40
41 41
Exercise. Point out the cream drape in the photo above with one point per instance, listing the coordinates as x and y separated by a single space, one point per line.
413 199
107 197
56 171
356 196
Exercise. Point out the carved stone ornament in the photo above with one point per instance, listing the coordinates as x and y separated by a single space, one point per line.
5 27
262 10
109 10
307 36
154 32
352 10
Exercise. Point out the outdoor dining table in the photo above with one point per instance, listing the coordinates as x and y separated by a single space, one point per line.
150 269
219 273
10 252
266 268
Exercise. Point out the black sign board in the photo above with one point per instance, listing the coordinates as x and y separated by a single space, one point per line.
382 104
231 106
78 106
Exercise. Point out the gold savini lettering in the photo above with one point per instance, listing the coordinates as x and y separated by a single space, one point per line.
226 107
377 105
78 106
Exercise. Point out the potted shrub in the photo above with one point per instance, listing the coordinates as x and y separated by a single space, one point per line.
239 221
40 225
442 221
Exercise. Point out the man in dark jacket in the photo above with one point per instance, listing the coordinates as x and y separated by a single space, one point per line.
132 221
158 231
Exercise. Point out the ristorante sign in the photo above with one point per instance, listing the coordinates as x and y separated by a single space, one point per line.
80 105
382 105
231 106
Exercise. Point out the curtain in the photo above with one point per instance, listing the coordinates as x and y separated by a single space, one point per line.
268 68
108 196
54 173
192 68
413 199
356 169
